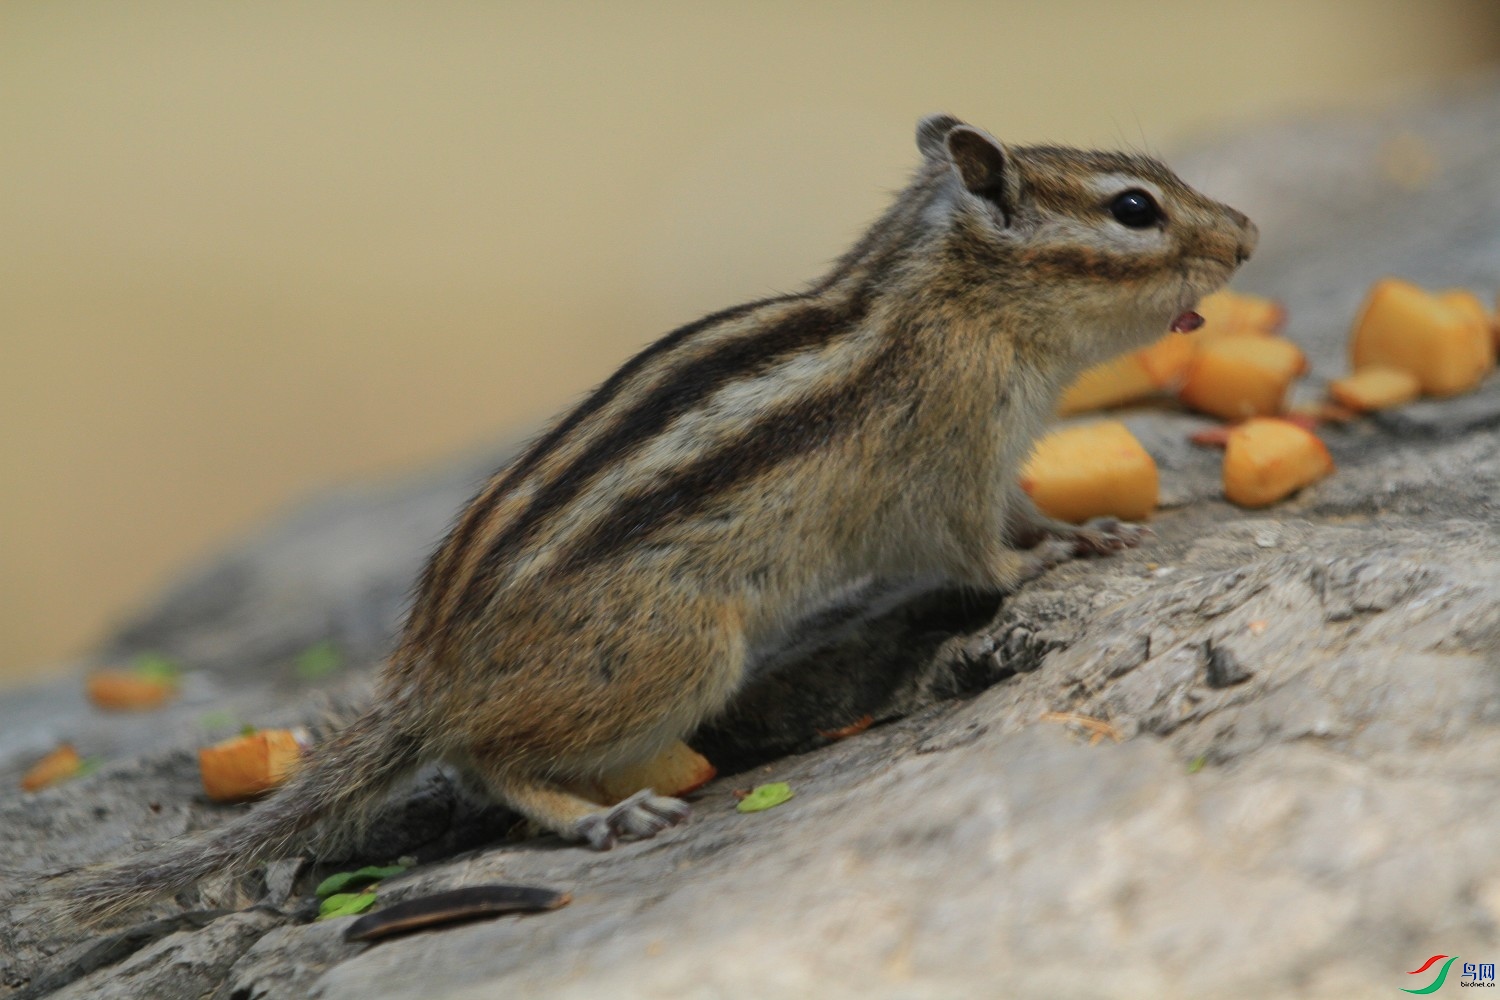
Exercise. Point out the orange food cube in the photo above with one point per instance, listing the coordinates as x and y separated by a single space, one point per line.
1467 303
1440 342
1093 470
1130 376
246 766
1166 361
1375 388
1117 381
675 771
1226 311
1238 377
1267 459
128 690
58 765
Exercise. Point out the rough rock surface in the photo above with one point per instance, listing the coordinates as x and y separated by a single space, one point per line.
1304 802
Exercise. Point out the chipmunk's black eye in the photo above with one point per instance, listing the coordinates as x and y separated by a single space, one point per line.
1135 209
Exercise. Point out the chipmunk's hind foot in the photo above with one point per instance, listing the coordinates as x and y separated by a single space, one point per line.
565 812
643 815
1105 536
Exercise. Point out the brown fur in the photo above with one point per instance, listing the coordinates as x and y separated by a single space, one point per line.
598 599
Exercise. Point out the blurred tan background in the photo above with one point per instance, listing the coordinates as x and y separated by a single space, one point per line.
250 250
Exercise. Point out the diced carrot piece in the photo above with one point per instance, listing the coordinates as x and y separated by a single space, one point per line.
246 766
675 771
1267 459
1440 342
1166 361
1238 377
1093 470
128 690
1466 302
1117 381
59 765
1157 367
1225 311
1375 388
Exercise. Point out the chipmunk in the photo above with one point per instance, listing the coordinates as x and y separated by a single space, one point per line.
606 592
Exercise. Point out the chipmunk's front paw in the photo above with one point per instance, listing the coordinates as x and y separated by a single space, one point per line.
643 815
1048 541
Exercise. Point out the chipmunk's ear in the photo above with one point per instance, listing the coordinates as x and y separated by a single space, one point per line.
984 166
931 131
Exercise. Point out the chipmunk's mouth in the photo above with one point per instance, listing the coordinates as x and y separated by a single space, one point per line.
1186 322
1200 275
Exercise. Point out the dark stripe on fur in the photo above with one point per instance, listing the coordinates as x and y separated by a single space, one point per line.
778 437
438 577
1081 261
685 388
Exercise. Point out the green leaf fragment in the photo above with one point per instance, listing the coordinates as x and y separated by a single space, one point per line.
346 904
342 882
765 797
88 765
157 667
1196 764
318 661
381 871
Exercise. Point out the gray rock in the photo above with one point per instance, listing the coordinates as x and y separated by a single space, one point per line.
1294 795
188 963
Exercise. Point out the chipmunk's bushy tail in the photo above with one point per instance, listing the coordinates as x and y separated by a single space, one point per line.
342 777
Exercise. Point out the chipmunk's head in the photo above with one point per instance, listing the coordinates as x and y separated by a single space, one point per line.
1123 248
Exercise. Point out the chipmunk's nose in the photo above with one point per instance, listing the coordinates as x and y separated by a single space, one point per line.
1249 236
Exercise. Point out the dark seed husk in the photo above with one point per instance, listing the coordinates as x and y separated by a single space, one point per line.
471 903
